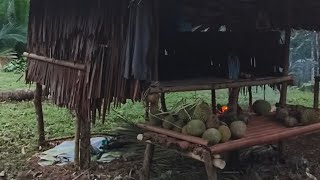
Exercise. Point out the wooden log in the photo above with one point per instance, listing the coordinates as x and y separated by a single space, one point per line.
173 134
210 169
147 162
39 114
19 95
77 66
182 87
316 94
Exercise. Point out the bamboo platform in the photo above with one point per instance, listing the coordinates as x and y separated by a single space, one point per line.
213 83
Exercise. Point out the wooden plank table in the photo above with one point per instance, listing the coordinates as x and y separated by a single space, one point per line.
261 130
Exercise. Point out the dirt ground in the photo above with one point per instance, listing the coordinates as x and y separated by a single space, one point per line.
301 161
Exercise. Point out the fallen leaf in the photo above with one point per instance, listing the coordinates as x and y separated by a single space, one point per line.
23 151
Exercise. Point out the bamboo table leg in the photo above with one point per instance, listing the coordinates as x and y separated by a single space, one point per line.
211 170
148 155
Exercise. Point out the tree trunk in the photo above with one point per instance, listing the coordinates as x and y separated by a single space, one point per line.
39 113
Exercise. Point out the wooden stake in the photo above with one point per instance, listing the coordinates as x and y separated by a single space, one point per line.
211 170
250 98
213 101
39 113
233 99
147 162
316 93
77 142
85 146
163 102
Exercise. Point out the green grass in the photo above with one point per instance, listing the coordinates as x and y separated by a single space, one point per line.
18 124
12 81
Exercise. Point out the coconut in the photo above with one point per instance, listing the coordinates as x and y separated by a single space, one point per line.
213 122
212 135
183 114
261 107
178 125
282 114
230 117
238 129
196 128
225 133
290 121
168 121
202 111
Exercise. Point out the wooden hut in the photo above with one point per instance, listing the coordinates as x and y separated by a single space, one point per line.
98 53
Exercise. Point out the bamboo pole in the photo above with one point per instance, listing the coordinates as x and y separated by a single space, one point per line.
78 66
214 101
39 113
316 93
173 134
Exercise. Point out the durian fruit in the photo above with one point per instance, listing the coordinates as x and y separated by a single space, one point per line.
238 129
308 116
155 118
213 122
196 128
168 122
244 118
178 125
261 107
183 114
212 135
290 121
225 133
282 114
202 111
184 130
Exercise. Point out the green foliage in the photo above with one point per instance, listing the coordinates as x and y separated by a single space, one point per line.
16 65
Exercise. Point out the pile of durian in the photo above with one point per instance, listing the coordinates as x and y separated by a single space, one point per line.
196 119
297 116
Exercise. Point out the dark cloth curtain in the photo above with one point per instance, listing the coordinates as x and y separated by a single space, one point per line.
142 39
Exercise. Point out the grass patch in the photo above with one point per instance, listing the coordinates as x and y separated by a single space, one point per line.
12 81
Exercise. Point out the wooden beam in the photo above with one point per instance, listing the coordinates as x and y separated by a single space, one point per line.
182 87
39 113
77 142
68 64
163 102
214 101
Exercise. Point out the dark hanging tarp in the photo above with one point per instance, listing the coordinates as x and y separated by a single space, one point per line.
142 41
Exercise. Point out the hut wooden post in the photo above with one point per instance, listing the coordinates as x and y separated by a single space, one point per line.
233 99
148 155
163 102
284 87
250 98
316 93
85 146
77 141
210 169
39 114
214 101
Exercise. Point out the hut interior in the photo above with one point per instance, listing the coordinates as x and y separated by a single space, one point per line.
98 53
